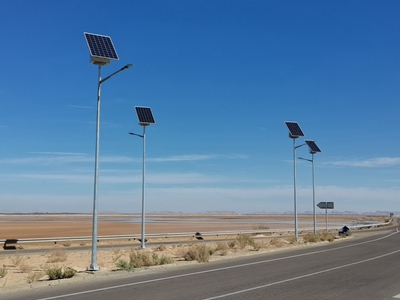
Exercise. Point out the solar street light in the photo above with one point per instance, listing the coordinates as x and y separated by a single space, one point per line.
312 146
145 117
102 51
294 133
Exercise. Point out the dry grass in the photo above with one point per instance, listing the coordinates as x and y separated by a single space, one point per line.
117 253
17 259
310 238
34 276
276 242
318 237
57 256
162 247
67 244
199 252
243 240
25 268
291 239
232 244
261 227
327 236
222 247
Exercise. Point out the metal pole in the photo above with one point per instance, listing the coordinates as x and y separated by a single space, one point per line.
294 190
93 265
326 215
313 189
143 186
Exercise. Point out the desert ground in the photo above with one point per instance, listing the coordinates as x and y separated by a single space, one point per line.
24 268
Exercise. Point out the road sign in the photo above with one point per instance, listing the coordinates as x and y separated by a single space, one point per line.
326 205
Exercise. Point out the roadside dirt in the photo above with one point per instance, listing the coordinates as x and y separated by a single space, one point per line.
27 270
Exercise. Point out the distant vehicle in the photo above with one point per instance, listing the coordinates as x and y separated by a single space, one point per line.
343 230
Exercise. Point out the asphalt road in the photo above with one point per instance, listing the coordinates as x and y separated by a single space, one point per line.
364 268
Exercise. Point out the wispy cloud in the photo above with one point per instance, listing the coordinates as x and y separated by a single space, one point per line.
195 157
378 162
81 106
57 153
48 158
53 158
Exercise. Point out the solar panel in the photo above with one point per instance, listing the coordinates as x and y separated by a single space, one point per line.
144 115
101 48
313 147
294 130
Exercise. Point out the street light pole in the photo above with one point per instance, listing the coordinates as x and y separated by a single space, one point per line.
143 246
93 265
313 185
145 117
143 241
296 230
313 149
294 133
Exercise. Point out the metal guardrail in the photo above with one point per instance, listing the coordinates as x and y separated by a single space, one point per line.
7 242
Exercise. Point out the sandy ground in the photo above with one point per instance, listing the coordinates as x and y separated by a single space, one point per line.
27 270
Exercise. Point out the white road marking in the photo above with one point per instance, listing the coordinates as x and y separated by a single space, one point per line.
397 296
300 277
231 267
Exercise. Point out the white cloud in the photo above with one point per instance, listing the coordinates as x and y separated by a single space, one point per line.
81 106
367 163
47 158
195 157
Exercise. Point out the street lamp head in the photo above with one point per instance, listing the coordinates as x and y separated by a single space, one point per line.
126 67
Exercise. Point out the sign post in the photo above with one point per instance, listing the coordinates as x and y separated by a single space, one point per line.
326 205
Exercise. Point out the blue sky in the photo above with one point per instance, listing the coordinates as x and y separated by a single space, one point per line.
221 77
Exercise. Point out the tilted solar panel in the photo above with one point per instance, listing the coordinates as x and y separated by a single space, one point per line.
294 129
313 147
144 115
101 46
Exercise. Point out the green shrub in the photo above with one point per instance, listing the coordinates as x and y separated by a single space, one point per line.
53 272
56 272
138 259
124 265
3 272
69 273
